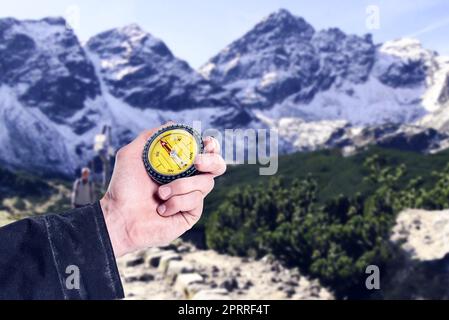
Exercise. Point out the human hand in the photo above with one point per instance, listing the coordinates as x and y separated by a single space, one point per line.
140 213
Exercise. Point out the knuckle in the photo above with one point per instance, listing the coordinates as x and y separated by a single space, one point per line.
121 153
198 197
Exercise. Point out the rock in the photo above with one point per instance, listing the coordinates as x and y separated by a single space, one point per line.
165 259
304 282
290 291
183 249
177 267
139 277
423 234
135 261
421 269
268 259
248 285
215 294
215 269
276 267
185 283
153 259
170 247
230 284
291 283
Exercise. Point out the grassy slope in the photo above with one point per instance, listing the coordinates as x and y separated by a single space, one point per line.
22 194
22 185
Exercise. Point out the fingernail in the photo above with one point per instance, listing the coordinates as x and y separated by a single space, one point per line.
162 208
164 192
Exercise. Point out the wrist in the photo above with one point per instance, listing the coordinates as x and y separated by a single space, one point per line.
116 226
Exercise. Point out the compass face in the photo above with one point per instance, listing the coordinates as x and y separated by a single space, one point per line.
170 153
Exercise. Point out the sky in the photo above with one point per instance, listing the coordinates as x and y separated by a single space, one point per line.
196 30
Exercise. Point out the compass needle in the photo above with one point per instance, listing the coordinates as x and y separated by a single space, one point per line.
168 153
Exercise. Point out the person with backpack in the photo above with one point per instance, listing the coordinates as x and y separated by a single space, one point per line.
83 191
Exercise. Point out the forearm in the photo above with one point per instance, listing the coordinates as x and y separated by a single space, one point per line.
36 253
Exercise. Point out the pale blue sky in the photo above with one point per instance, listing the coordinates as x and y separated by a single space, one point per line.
195 30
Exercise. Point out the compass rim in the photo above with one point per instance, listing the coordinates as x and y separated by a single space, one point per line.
163 178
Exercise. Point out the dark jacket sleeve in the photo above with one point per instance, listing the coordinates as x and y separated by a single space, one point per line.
40 258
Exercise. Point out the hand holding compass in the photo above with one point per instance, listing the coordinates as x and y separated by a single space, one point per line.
139 211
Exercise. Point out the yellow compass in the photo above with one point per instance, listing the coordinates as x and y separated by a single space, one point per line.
171 152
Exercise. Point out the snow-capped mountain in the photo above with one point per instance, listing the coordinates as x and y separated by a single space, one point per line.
141 70
309 83
46 80
287 69
317 88
56 95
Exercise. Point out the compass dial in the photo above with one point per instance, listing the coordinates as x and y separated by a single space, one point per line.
170 153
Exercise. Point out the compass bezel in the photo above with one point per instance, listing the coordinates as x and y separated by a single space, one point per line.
162 178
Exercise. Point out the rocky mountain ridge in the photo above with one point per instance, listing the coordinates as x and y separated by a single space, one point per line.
316 88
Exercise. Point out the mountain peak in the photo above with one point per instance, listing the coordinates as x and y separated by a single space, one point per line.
284 22
282 14
131 37
132 29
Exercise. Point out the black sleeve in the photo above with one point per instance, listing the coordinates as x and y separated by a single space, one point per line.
40 258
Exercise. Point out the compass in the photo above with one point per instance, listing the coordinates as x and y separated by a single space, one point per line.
171 152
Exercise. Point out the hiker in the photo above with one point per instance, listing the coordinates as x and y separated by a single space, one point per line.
72 255
83 191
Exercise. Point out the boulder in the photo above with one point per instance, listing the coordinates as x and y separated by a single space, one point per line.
165 258
230 284
138 276
135 261
423 234
153 259
185 283
176 267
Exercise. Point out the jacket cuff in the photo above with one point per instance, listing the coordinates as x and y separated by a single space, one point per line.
83 254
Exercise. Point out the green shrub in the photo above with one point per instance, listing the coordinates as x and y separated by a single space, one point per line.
334 241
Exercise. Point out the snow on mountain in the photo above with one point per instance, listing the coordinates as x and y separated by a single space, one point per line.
140 70
45 64
316 88
47 88
287 70
57 95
